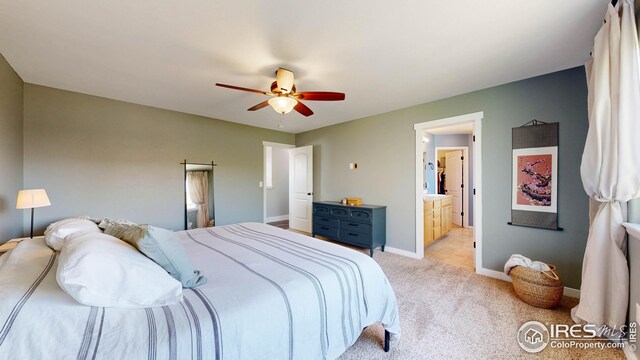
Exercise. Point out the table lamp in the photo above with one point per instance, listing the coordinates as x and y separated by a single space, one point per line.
31 199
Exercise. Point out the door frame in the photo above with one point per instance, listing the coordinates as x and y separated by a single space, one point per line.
264 173
465 177
476 119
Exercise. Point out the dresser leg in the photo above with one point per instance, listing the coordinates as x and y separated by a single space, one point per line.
371 252
382 248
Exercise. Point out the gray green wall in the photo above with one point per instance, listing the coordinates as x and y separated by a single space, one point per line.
278 194
11 90
103 157
383 147
109 158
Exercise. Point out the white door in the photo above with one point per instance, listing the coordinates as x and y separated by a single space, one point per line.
453 183
300 188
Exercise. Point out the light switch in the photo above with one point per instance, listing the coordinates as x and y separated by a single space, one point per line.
259 183
352 166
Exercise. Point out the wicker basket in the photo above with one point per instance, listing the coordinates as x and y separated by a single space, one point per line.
541 289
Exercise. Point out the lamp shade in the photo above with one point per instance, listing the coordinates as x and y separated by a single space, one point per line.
34 198
283 104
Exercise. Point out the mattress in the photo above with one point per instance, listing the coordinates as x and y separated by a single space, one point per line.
271 294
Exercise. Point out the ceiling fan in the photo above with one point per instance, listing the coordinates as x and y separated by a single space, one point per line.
285 97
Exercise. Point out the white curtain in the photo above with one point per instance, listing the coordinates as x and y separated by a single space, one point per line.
198 182
610 166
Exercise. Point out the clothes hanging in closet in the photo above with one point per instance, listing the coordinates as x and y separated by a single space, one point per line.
441 178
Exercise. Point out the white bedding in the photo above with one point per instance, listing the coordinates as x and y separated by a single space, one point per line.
271 294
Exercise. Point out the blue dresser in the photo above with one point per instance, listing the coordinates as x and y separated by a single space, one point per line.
363 225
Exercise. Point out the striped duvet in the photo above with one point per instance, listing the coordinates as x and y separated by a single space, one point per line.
271 294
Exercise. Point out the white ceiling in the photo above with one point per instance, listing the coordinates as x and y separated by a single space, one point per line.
465 128
384 55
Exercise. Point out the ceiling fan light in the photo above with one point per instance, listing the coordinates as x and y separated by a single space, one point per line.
283 104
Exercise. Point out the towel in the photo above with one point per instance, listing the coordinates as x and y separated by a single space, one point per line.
519 260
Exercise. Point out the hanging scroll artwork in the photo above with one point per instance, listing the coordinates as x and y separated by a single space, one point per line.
534 193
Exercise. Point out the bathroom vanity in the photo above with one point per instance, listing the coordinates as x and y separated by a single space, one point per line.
437 217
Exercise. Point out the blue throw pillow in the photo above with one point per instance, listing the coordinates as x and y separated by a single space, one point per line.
161 246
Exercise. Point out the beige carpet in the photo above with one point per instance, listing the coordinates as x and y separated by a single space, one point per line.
448 312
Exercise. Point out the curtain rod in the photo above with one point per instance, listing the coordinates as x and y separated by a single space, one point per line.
191 163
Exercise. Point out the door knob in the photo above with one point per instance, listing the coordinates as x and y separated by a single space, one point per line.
309 193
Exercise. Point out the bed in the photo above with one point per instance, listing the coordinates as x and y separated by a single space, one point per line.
271 294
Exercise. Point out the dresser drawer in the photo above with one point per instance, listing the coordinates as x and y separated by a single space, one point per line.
360 215
322 230
355 226
321 210
326 221
355 238
339 212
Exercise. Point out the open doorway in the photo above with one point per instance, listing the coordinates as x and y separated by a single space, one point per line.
276 184
448 215
453 177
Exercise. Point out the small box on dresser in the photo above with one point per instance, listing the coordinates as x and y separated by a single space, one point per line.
364 225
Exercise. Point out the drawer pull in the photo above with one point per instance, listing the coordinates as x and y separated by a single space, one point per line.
353 234
324 228
352 224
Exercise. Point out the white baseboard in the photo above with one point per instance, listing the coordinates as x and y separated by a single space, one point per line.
570 292
276 218
493 274
402 252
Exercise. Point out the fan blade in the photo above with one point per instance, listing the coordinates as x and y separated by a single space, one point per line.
303 109
284 79
319 95
242 89
259 106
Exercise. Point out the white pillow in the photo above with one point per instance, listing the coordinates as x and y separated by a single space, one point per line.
98 269
56 232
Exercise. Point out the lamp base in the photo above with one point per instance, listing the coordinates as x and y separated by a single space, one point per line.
32 211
